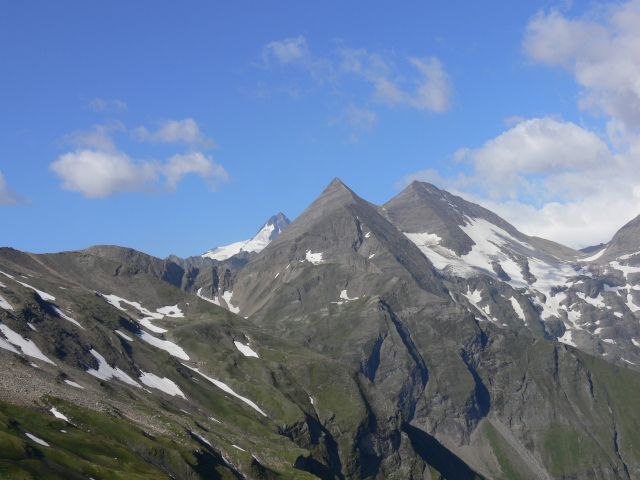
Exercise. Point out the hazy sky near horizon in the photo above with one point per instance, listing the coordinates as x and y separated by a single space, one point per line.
174 127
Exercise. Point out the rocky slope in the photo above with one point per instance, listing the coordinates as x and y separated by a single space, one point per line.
344 281
184 387
426 338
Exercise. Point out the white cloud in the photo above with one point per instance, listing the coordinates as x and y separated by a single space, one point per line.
101 104
97 137
7 195
173 131
602 52
551 179
433 91
98 169
535 157
555 179
193 162
99 174
287 51
430 89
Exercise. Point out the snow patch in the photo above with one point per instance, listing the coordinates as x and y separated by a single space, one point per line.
608 340
163 384
43 295
7 346
171 311
223 386
146 322
61 314
236 446
202 438
27 346
625 360
597 302
215 300
345 298
74 384
30 325
39 441
593 257
566 338
626 269
256 244
227 298
126 337
315 258
632 306
4 304
106 372
57 414
637 344
165 345
518 309
245 349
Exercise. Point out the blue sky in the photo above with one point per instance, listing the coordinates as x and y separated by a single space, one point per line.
176 127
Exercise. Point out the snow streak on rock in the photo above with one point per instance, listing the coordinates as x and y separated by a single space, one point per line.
245 349
163 384
27 346
165 345
226 388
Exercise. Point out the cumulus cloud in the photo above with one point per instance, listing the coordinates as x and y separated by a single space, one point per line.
536 157
178 166
555 179
602 52
174 131
100 174
7 195
551 179
98 169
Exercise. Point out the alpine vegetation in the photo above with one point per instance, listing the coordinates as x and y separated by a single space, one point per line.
426 338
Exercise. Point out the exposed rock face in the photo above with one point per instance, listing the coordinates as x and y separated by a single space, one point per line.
427 338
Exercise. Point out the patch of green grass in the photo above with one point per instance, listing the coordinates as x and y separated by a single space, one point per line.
568 450
509 472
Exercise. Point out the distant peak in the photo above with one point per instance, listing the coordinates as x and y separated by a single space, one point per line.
278 219
418 185
337 189
336 182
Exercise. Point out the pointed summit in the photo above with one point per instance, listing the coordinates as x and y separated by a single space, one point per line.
269 231
624 246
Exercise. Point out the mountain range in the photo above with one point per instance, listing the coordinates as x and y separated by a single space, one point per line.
424 338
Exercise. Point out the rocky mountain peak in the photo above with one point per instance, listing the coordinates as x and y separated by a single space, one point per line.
624 245
279 222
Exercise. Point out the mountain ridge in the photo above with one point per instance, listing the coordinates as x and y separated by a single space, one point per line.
359 343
